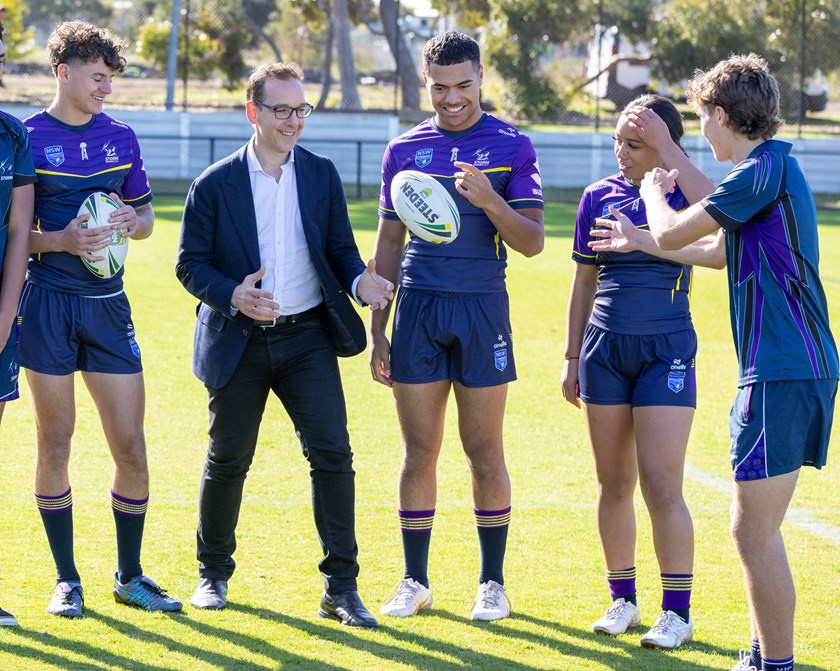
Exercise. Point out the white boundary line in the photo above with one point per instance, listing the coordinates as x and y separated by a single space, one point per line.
800 518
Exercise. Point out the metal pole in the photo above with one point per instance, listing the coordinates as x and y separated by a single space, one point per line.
397 56
359 170
172 56
186 72
802 38
598 65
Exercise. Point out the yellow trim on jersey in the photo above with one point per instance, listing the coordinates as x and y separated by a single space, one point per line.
70 174
133 200
519 200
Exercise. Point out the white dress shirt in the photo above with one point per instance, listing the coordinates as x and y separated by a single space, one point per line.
289 273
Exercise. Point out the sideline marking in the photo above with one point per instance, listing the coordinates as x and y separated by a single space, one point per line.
801 518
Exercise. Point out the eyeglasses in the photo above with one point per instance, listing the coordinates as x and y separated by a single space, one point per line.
285 112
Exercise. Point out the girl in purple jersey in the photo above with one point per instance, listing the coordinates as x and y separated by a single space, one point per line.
636 376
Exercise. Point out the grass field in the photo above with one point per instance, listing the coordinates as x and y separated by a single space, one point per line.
554 571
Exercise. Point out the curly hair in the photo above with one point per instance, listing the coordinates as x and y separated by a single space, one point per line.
258 78
80 41
745 89
450 49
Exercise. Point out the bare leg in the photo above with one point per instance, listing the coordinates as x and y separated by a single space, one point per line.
481 414
661 442
421 409
121 402
613 446
55 417
758 510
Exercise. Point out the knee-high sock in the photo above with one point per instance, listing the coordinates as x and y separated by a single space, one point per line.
129 519
57 516
492 538
416 528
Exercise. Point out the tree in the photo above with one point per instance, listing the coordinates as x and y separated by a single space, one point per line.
211 40
340 19
46 15
335 18
410 83
15 36
518 37
693 34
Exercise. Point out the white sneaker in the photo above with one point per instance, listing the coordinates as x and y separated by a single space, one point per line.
491 602
669 632
410 598
620 617
744 663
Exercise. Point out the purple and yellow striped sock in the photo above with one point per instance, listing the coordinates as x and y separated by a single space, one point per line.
676 593
492 538
129 519
57 516
416 528
623 584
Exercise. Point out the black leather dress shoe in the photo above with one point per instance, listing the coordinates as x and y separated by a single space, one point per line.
348 609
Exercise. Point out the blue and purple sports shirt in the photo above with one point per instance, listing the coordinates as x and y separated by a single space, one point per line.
72 162
777 304
475 262
638 294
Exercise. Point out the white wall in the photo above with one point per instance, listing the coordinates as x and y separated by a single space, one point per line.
176 145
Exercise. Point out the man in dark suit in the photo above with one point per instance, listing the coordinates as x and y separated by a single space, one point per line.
267 247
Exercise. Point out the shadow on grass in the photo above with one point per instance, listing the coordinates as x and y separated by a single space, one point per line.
416 650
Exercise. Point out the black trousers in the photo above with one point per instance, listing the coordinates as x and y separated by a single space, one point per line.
298 363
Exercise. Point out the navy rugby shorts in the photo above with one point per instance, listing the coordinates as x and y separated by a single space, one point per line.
444 335
778 427
638 370
62 333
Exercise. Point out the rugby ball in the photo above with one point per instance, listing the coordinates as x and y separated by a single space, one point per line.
99 206
425 207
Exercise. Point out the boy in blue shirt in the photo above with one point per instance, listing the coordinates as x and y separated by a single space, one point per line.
787 357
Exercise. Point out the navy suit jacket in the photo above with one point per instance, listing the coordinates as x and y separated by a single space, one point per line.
219 247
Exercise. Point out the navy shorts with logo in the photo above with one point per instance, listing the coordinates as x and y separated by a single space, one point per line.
443 335
10 367
62 333
638 370
778 427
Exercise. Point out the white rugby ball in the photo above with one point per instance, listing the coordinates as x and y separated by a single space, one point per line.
424 205
99 206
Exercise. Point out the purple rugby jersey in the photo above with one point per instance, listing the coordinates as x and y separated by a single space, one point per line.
638 294
475 262
71 163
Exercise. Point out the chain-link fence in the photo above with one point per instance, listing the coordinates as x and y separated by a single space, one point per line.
575 69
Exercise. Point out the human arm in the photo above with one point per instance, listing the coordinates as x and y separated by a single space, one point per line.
211 265
581 300
673 230
521 230
620 235
387 254
16 256
654 132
